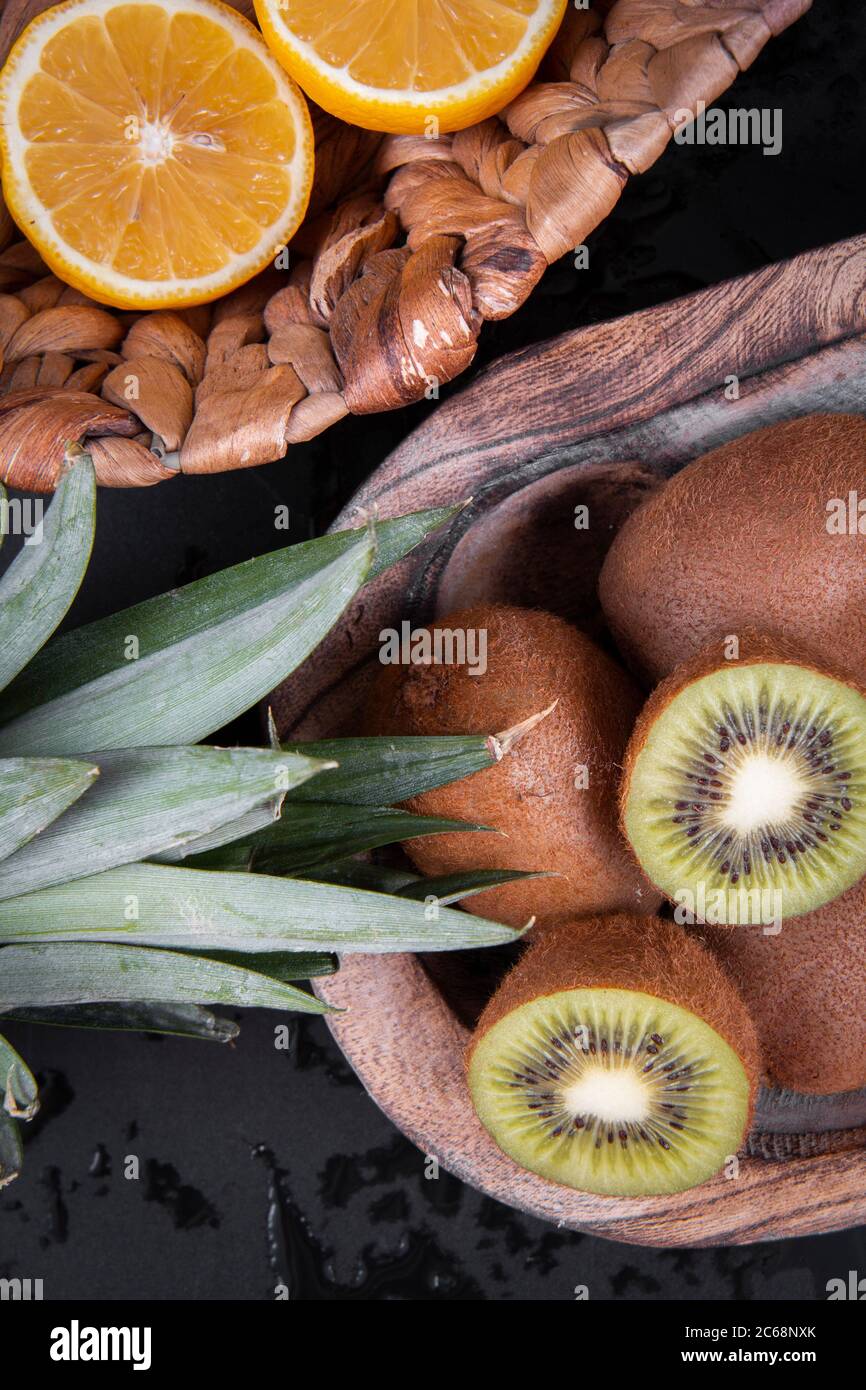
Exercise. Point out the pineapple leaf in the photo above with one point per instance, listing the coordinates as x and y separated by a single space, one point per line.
379 771
358 873
281 965
147 799
33 793
236 856
181 693
452 888
45 576
180 908
207 651
76 972
18 1084
219 843
183 1020
317 833
372 771
447 889
11 1150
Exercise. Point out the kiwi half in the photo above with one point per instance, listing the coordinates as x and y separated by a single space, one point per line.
744 787
757 534
616 1058
805 987
552 799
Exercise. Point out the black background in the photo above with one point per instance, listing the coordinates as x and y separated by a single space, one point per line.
259 1166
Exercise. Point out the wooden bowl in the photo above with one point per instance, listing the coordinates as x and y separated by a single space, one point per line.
595 418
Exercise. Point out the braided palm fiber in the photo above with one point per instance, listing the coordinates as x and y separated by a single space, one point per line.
408 247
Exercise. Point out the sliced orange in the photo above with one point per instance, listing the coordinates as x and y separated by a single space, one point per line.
411 66
153 151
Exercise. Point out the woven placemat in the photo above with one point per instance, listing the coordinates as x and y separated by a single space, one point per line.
408 247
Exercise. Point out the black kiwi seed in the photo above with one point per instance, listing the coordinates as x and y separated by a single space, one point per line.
613 1048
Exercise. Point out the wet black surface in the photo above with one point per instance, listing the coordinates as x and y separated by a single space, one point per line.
262 1170
168 1169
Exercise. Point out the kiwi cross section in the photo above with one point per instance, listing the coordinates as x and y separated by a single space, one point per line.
611 1091
747 799
616 1058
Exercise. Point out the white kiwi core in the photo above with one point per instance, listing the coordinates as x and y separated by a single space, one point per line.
613 1096
763 790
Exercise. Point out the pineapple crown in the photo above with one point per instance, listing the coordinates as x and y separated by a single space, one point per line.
146 876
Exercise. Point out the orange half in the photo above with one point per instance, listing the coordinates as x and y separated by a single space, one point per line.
154 152
419 67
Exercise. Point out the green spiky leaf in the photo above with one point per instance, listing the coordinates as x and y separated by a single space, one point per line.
11 1149
218 848
46 574
191 909
150 799
206 652
318 833
453 888
281 965
358 873
89 972
182 1020
380 771
239 656
446 889
18 1090
369 772
34 792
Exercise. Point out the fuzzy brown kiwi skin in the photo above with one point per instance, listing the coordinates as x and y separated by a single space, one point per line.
544 822
624 951
806 990
739 539
755 649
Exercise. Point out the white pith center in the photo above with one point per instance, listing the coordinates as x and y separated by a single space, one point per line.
619 1096
764 791
155 143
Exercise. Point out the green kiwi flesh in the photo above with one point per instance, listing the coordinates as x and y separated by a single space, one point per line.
753 778
611 1091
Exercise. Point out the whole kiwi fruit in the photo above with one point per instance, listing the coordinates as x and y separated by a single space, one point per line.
743 792
551 800
758 533
805 987
616 1057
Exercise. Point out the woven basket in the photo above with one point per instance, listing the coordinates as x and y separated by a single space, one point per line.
408 247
